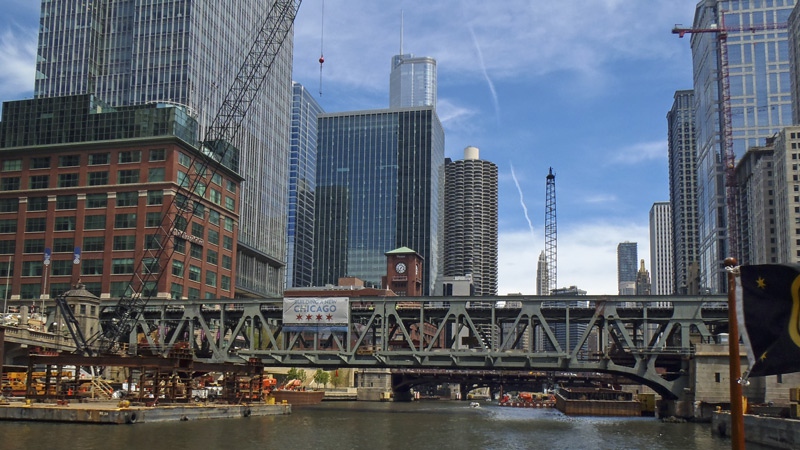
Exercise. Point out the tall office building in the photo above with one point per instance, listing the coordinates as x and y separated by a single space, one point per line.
661 258
760 100
470 221
627 257
302 183
380 186
755 179
683 188
412 81
542 276
129 52
787 195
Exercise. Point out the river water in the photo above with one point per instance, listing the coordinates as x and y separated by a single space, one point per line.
373 425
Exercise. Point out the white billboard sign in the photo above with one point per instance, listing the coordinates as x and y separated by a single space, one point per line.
316 313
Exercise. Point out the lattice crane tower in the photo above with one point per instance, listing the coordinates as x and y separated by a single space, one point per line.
551 233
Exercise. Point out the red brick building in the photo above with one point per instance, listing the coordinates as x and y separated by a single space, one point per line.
83 191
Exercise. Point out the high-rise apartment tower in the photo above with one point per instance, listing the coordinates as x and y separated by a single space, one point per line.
661 249
412 81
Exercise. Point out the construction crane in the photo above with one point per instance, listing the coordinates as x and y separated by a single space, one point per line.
551 233
731 189
218 138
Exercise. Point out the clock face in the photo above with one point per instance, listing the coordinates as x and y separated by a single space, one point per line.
400 268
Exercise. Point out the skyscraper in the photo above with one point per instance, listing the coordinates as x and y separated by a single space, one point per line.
470 221
412 81
760 105
682 188
661 249
302 183
380 186
787 186
542 276
627 258
129 52
756 180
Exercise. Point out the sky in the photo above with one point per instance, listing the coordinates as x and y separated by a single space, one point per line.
582 86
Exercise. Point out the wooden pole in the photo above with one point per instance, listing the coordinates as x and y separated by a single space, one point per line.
737 413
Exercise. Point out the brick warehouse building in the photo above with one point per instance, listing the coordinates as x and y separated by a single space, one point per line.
81 182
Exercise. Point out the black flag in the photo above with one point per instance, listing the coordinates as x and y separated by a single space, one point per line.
768 307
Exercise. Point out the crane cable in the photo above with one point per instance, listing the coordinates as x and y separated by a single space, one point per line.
321 42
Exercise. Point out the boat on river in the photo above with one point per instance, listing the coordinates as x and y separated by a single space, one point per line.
297 397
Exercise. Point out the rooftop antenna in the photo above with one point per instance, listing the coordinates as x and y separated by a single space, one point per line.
321 42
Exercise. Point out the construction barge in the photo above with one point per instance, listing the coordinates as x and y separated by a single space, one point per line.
597 402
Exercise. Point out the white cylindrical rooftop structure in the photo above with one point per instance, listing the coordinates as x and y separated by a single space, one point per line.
471 153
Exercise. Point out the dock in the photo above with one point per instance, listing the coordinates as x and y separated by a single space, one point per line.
110 412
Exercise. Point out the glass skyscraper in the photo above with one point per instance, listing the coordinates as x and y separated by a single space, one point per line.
380 186
412 81
627 255
302 183
760 101
186 52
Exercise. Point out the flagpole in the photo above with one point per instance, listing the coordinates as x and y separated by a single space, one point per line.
737 413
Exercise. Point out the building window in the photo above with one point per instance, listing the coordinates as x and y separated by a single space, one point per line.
98 159
65 223
194 293
63 245
153 219
180 246
183 179
8 225
67 180
155 197
213 237
120 289
96 200
33 246
94 244
226 262
98 178
176 291
149 265
67 202
8 246
61 267
30 290
124 242
227 242
31 268
128 176
152 242
9 183
40 162
10 165
199 210
177 268
231 186
225 283
35 224
213 217
94 222
39 182
37 204
211 278
228 224
196 250
158 154
230 205
9 205
215 196
122 266
155 174
211 257
216 179
194 273
127 198
125 220
69 160
197 230
92 267
184 159
133 156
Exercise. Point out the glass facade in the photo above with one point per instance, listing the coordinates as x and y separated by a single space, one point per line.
184 52
760 101
626 267
302 183
412 82
380 186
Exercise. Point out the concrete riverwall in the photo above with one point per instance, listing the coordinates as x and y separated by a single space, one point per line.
773 432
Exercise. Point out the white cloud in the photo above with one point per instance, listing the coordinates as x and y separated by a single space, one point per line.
587 257
18 59
639 152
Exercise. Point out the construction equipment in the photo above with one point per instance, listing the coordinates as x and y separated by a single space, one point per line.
731 189
218 138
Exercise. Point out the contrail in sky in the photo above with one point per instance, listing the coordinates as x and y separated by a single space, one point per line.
522 201
486 74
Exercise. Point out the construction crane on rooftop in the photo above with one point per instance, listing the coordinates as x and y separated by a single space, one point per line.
213 149
551 233
731 189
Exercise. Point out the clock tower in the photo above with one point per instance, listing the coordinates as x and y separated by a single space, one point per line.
404 272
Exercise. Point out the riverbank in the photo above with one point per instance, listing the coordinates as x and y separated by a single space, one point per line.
119 413
773 432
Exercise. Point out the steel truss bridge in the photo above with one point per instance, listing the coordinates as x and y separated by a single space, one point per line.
647 339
